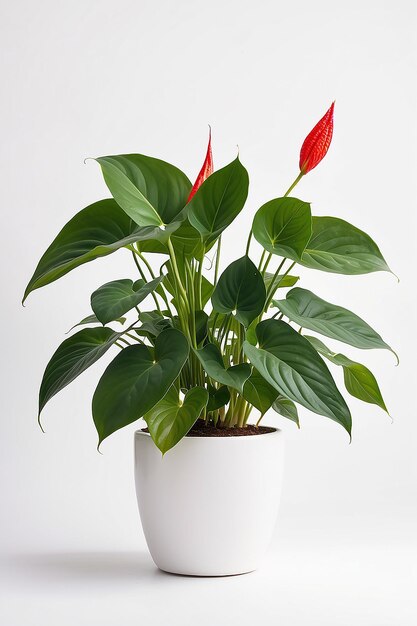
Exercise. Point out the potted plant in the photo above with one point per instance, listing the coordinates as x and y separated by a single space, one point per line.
216 347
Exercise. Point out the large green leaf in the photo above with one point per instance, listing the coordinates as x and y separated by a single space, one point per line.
117 297
290 364
152 192
96 231
136 380
73 357
241 291
218 201
337 246
258 392
309 311
171 419
359 380
211 359
287 409
283 226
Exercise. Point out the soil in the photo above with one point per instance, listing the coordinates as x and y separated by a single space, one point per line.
200 429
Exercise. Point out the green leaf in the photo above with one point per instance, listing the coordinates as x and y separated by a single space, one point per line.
287 409
113 299
152 324
136 380
96 231
337 246
241 291
201 325
283 226
170 420
150 191
218 201
359 380
73 357
217 398
258 392
309 311
92 319
211 359
187 241
281 281
289 363
206 290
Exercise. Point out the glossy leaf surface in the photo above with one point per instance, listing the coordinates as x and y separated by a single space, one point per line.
359 380
73 357
211 359
309 311
171 419
290 364
117 297
283 226
219 201
96 231
337 246
136 380
150 191
286 408
217 397
259 392
241 291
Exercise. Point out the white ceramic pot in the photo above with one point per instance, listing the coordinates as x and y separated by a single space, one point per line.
209 506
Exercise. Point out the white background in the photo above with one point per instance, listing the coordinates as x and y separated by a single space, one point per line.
93 78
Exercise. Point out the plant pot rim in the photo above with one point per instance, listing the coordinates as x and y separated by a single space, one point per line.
254 436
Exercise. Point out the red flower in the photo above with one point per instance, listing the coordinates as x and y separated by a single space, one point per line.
317 142
205 171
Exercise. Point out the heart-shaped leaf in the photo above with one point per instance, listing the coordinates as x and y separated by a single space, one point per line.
113 299
309 311
96 231
337 246
287 409
211 359
283 226
150 191
73 357
258 392
136 380
217 398
289 363
218 201
359 380
241 291
171 419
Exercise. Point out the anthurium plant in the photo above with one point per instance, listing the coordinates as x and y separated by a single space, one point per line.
216 344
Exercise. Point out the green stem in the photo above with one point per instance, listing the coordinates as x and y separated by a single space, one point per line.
177 273
248 243
216 268
291 187
271 286
134 253
268 299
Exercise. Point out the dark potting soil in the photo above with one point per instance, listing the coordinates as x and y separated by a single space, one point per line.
201 429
